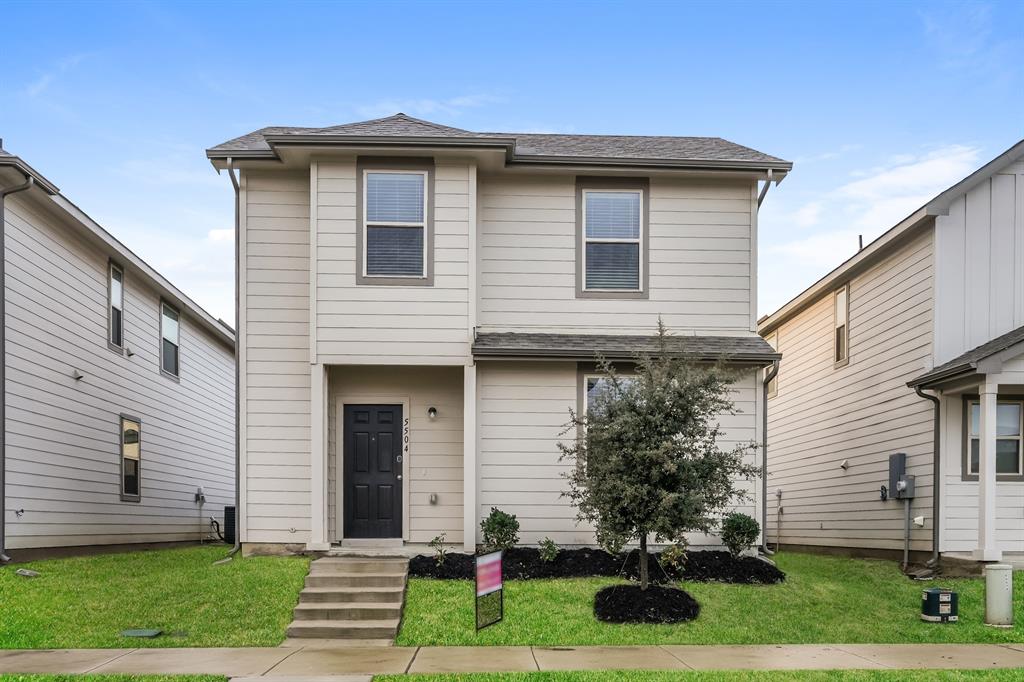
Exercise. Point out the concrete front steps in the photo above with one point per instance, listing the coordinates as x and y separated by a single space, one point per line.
355 600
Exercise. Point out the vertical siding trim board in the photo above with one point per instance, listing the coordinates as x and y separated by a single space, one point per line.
474 263
470 484
318 458
364 163
241 358
585 183
754 207
314 181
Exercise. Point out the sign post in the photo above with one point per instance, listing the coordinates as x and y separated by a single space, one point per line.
490 595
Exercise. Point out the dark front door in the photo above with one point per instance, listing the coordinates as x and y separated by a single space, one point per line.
373 471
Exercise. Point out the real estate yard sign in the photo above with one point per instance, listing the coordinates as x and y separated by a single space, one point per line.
490 596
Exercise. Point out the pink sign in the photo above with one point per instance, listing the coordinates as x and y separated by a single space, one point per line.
488 573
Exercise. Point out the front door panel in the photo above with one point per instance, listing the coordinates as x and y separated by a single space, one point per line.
372 456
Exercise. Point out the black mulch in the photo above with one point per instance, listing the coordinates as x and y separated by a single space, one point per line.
656 604
524 563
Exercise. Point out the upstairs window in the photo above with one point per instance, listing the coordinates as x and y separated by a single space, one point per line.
131 459
612 240
169 340
1009 444
841 301
395 224
115 312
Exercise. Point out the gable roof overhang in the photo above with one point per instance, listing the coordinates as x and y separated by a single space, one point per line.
987 358
910 226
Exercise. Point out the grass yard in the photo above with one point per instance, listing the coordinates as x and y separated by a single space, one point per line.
85 602
717 676
824 600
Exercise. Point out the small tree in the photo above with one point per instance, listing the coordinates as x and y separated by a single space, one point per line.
647 455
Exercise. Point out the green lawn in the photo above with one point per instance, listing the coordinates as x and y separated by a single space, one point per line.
824 600
87 601
717 676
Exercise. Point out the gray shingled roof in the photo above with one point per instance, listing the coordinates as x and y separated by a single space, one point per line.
523 146
745 349
968 362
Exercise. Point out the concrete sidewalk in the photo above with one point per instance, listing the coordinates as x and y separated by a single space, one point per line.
309 662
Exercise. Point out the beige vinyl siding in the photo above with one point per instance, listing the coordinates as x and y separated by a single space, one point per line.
700 258
861 412
434 461
523 408
276 357
377 324
979 251
63 453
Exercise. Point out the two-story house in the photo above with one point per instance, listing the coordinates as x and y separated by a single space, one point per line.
118 390
914 345
420 306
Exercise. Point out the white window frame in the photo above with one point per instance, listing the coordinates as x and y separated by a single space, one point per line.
113 267
368 224
845 360
639 241
1019 437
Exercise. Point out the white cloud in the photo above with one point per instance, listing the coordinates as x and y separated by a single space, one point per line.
426 107
808 214
46 79
221 235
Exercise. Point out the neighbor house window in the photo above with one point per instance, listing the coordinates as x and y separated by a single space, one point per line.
395 224
169 340
841 303
1009 445
773 385
131 457
115 286
613 240
596 384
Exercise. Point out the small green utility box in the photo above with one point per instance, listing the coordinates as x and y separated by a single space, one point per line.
940 605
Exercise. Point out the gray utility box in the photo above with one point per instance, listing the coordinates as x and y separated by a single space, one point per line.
939 605
901 484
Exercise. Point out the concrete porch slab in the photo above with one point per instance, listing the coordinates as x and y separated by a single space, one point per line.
958 656
344 661
767 657
473 659
57 660
606 658
230 662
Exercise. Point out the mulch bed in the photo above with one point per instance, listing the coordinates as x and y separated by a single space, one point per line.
656 604
524 563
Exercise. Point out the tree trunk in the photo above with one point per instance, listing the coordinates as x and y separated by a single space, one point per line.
643 561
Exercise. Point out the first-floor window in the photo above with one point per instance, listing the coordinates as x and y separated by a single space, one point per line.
1009 429
169 340
131 456
597 384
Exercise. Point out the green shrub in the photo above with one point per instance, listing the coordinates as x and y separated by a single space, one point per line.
500 530
437 544
739 532
674 555
548 549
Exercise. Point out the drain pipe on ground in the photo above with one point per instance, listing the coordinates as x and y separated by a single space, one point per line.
29 182
238 448
936 475
764 458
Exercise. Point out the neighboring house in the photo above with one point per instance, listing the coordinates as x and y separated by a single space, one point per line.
119 389
421 306
936 304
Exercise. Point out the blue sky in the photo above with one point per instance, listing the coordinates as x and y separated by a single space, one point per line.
880 105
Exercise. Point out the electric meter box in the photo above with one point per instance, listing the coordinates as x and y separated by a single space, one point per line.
940 605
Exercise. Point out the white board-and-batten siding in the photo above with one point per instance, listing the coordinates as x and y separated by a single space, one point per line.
63 436
861 412
701 244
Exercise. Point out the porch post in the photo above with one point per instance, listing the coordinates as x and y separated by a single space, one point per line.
988 549
469 473
317 458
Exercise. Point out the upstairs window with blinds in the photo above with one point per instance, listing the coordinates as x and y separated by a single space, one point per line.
613 234
841 300
115 319
395 220
169 340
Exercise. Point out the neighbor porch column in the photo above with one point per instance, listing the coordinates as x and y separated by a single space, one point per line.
469 474
318 458
987 549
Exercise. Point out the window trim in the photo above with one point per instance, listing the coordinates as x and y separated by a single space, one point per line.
846 328
419 165
590 370
586 184
965 433
120 438
111 267
773 385
160 311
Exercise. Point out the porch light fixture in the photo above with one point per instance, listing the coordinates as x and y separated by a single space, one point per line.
432 413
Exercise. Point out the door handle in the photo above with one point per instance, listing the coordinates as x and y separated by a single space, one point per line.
399 477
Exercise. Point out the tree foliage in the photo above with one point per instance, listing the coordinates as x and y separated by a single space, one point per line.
647 455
